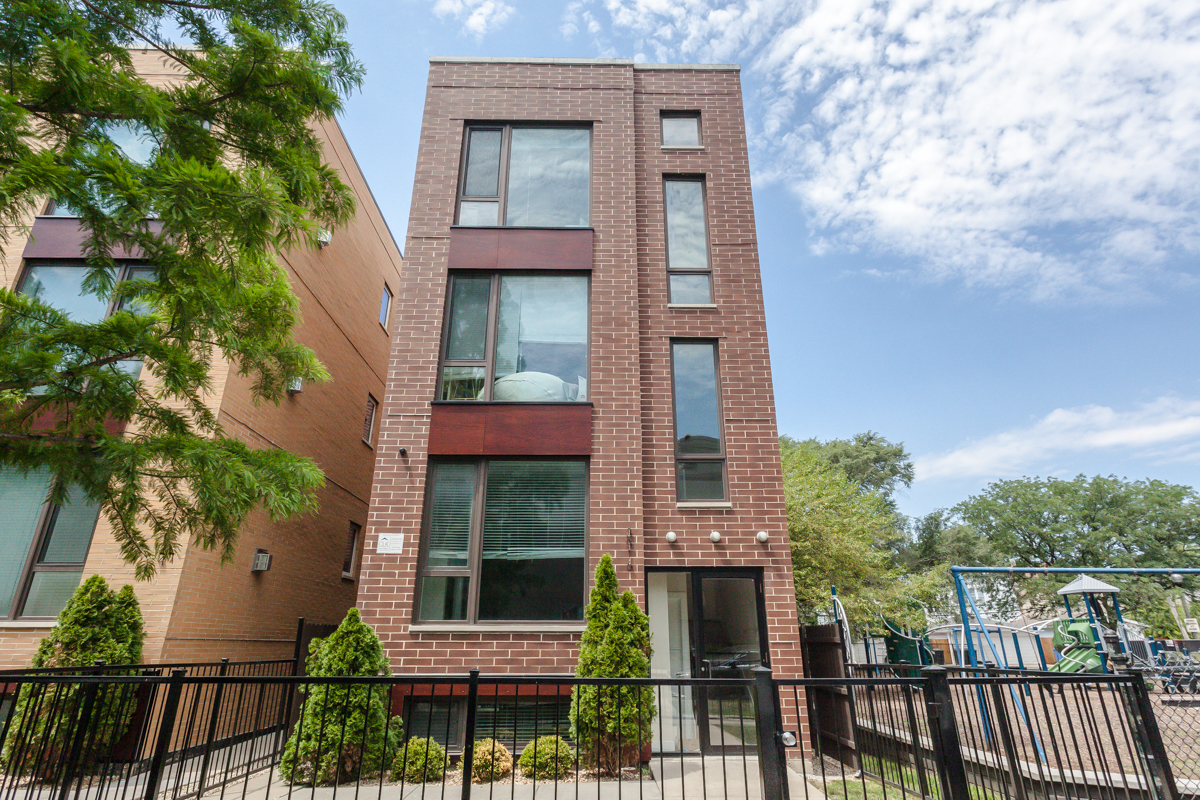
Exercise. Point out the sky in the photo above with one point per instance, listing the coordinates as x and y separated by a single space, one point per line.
978 220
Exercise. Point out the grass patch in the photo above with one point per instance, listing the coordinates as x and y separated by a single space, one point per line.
868 787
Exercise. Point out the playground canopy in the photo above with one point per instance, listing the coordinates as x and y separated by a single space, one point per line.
1086 584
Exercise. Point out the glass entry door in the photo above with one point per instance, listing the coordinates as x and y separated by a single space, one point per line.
706 623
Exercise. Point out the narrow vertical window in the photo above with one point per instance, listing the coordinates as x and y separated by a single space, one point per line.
385 306
699 444
369 419
688 268
351 550
680 129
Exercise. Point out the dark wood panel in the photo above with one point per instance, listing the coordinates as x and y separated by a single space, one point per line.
521 248
516 429
63 237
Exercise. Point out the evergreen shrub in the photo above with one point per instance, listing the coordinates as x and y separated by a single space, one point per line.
345 732
97 624
612 723
491 762
421 760
547 758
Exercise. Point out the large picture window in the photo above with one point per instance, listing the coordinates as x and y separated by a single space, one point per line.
516 338
504 540
43 546
699 443
526 176
688 268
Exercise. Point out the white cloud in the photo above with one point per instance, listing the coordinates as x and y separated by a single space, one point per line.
477 16
1166 429
1048 146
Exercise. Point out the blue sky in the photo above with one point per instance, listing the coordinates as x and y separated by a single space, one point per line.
979 221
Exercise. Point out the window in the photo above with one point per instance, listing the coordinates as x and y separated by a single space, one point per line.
369 419
680 129
516 338
504 540
688 269
699 445
61 285
533 176
385 306
43 547
351 550
132 140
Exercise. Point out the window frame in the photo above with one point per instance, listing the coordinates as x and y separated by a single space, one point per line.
472 571
680 114
369 422
506 129
385 308
354 545
671 271
722 456
488 362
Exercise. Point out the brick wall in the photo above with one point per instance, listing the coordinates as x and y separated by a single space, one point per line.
632 494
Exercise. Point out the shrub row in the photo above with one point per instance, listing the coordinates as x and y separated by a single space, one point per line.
545 758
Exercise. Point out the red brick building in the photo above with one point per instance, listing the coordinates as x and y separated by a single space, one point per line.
581 369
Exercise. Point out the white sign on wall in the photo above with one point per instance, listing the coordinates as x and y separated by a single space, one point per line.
390 543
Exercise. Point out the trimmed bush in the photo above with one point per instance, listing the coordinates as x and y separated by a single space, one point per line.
97 624
345 732
615 644
547 758
421 760
491 762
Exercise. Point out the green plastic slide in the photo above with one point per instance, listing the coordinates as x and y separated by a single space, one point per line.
1078 647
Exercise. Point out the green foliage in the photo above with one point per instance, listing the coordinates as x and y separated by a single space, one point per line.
870 461
611 723
232 172
841 535
346 732
1091 522
490 762
97 624
547 758
422 760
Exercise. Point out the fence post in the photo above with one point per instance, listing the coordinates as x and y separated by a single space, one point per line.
947 752
297 656
772 765
166 729
468 753
1006 738
1151 739
85 718
218 692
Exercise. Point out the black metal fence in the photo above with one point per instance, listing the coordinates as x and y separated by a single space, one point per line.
933 733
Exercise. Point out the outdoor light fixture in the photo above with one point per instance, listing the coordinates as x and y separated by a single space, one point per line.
295 386
671 537
762 537
788 738
262 561
715 536
324 237
1176 578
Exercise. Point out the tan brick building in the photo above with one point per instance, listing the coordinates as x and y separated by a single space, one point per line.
196 608
582 368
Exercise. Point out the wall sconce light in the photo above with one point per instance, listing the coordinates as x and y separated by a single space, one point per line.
295 386
715 536
762 537
671 537
324 237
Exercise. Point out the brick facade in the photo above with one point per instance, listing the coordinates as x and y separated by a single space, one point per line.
632 496
196 608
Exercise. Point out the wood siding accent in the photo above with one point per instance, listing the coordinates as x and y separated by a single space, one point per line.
521 248
64 237
503 429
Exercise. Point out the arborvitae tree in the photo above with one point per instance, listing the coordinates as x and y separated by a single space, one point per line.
207 177
345 732
97 624
611 724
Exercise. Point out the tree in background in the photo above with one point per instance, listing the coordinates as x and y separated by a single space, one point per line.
97 624
207 178
612 723
869 461
841 535
367 735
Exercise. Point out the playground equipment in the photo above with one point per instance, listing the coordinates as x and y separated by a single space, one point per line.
1077 648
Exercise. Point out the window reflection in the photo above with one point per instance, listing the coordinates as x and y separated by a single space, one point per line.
548 180
541 341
